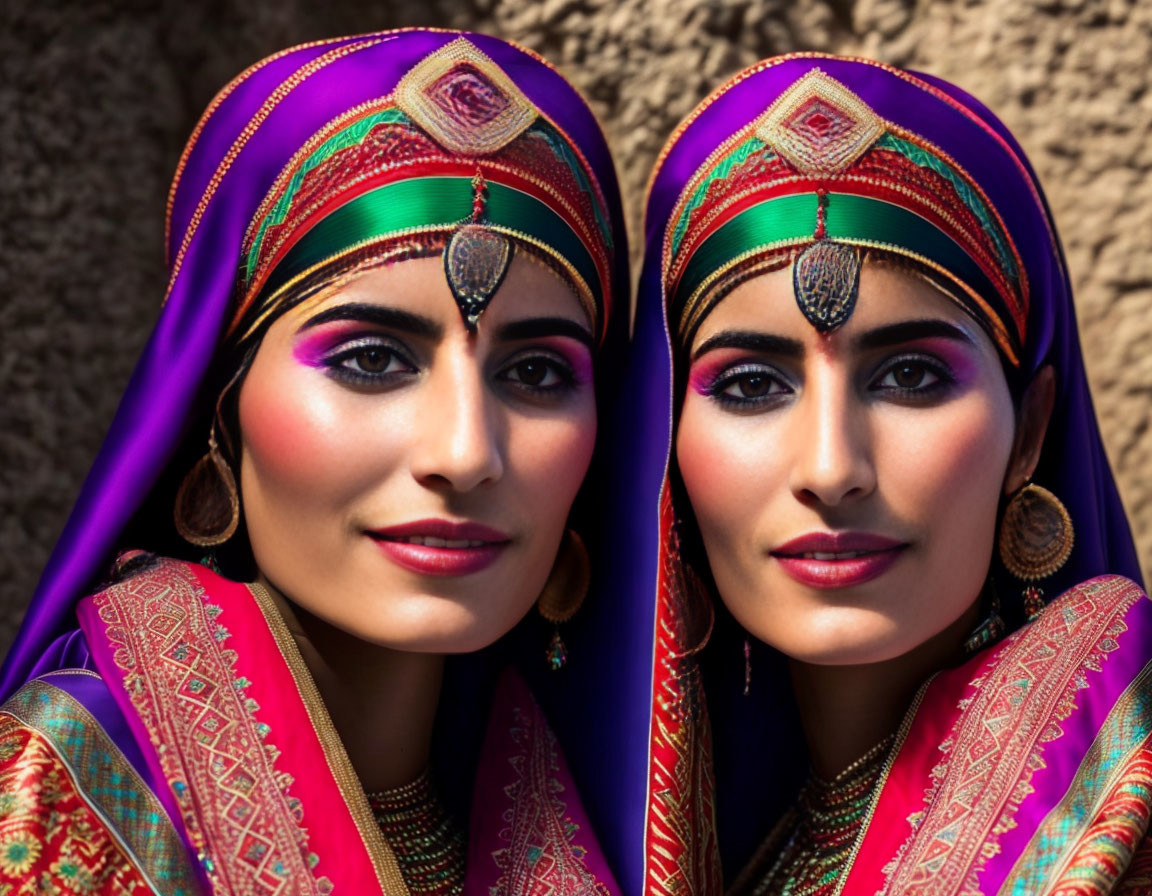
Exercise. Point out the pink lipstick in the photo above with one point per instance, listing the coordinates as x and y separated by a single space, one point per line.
837 559
441 547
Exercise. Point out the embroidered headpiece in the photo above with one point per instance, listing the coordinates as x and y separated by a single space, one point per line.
818 178
456 159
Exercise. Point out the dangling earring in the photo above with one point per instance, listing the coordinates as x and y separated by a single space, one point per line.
564 592
747 666
1036 539
207 507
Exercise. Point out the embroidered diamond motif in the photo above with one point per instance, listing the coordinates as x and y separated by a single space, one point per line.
819 126
464 101
467 95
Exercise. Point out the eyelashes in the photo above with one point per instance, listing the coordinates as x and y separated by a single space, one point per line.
750 386
367 361
372 362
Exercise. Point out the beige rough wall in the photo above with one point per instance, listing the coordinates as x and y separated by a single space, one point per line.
97 98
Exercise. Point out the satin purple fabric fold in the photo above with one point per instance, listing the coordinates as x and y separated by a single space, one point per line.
248 135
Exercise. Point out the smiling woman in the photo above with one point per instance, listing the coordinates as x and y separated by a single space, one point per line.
395 260
875 367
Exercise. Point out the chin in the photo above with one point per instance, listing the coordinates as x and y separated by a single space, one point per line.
435 625
842 638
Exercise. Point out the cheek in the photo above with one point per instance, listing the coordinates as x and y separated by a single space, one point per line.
550 457
303 440
957 460
724 466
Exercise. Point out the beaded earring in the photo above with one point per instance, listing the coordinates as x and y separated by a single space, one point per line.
564 593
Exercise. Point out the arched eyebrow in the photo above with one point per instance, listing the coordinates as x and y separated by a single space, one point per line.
910 331
538 327
382 315
753 342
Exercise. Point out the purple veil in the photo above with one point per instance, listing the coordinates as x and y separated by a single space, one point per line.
246 137
752 734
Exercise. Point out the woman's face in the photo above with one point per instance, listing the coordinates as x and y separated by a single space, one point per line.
846 485
408 481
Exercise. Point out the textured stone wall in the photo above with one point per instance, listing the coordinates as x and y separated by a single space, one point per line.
96 100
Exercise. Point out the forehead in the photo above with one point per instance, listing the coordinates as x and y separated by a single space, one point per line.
418 285
888 295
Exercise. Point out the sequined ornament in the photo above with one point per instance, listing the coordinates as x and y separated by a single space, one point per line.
475 262
810 849
826 281
428 844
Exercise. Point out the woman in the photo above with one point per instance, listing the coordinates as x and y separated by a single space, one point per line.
881 413
396 261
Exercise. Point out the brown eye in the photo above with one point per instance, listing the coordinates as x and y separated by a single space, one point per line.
531 373
908 376
373 360
753 385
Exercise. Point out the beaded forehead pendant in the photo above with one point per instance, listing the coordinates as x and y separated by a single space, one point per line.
821 128
464 102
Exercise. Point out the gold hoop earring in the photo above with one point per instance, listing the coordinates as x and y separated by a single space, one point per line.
1036 538
564 593
207 507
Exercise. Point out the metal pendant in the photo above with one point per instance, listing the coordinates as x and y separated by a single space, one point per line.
475 262
826 281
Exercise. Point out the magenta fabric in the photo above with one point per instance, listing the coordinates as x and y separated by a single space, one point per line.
520 757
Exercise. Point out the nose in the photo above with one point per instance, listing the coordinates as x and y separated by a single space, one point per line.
459 444
831 445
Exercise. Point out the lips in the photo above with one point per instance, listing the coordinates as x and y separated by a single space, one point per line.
837 559
437 547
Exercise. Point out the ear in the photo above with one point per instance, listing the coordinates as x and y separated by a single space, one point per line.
1031 425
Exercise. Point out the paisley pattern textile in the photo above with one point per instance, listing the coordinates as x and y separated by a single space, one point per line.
51 839
71 747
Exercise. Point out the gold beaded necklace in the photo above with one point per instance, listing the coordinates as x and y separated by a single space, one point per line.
428 843
818 834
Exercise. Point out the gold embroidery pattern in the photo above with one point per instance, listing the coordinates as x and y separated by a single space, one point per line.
819 125
107 782
464 101
540 858
51 841
997 741
180 678
681 857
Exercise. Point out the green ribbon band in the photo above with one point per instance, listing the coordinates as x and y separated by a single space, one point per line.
428 203
860 220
